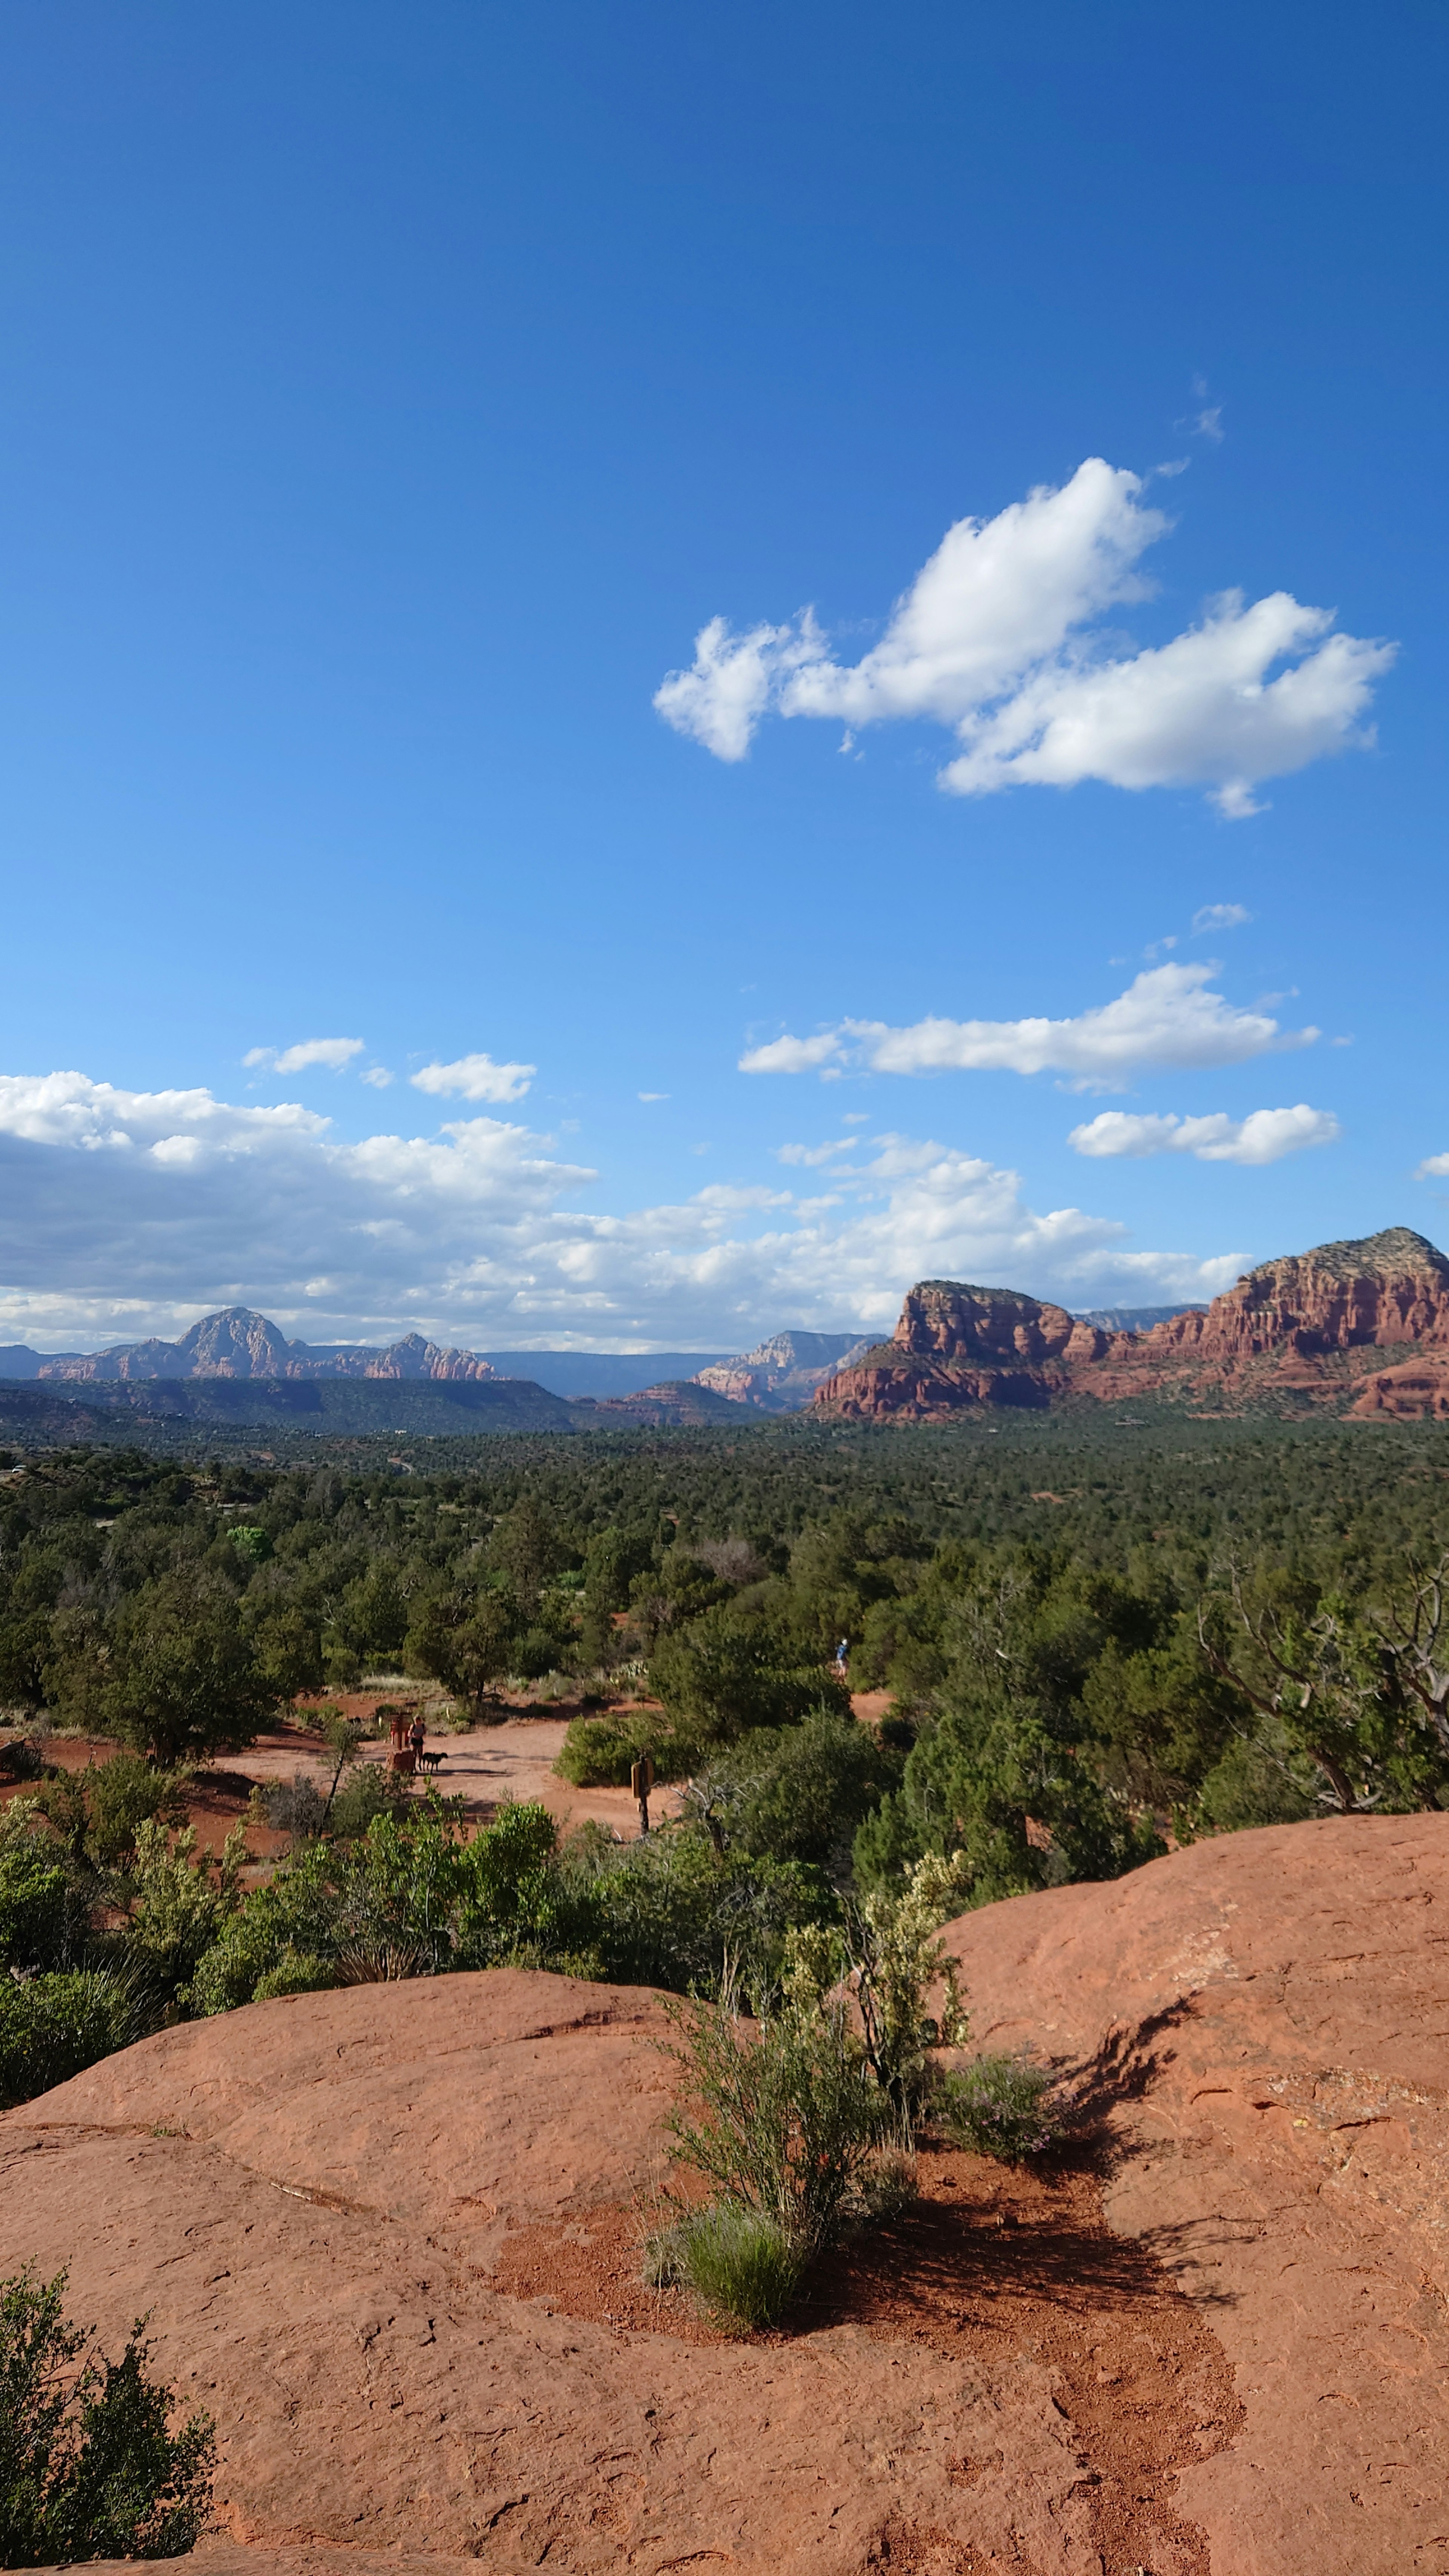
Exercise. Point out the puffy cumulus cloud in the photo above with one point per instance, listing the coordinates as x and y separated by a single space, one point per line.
1167 1016
335 1053
1264 1136
472 1234
1435 1167
995 638
475 1077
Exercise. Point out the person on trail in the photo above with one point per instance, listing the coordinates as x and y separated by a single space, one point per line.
841 1652
417 1735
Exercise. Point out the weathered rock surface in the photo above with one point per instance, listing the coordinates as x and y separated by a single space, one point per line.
317 2199
310 2197
1266 2019
1299 1329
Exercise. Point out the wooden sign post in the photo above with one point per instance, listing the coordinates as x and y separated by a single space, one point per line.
641 1781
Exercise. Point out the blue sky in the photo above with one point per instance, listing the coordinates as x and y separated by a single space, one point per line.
392 396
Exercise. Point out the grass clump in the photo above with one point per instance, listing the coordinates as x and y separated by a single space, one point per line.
1002 2107
742 2265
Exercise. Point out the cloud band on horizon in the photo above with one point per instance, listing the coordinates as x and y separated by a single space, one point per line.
125 1212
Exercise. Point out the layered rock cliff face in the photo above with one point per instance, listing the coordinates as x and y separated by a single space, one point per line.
1377 1293
1303 1328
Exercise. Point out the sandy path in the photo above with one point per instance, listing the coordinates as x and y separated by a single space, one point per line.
485 1767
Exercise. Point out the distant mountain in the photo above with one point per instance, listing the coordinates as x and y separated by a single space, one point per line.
1301 1330
240 1343
782 1374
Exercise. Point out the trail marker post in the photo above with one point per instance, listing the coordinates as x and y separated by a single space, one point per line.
641 1781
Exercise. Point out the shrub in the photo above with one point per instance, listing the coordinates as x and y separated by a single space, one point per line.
741 2263
295 1806
53 2027
1001 2106
40 1914
121 1795
600 1752
785 2115
296 1973
22 1758
88 2465
667 1912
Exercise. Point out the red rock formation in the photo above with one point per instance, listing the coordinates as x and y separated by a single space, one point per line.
951 1322
1376 1293
1297 1328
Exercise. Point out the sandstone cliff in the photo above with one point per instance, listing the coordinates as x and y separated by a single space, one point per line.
1301 1329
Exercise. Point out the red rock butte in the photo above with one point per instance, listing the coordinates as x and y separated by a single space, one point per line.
353 2215
1311 1330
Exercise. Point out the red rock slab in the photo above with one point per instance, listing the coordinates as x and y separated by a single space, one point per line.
1264 2019
308 2197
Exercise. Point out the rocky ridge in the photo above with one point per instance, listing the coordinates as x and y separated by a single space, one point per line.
1303 1330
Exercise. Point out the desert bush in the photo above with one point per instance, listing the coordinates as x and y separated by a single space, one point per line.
22 1757
89 2467
717 1676
782 2115
799 1792
41 1914
179 1906
296 1973
368 1790
1003 2107
599 1752
54 2026
741 2263
668 1912
121 1795
296 1806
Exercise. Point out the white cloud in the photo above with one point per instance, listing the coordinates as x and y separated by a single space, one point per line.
995 637
475 1077
721 699
1165 1017
1264 1136
654 1095
792 1055
378 1076
335 1053
1435 1168
812 1155
1219 916
472 1234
